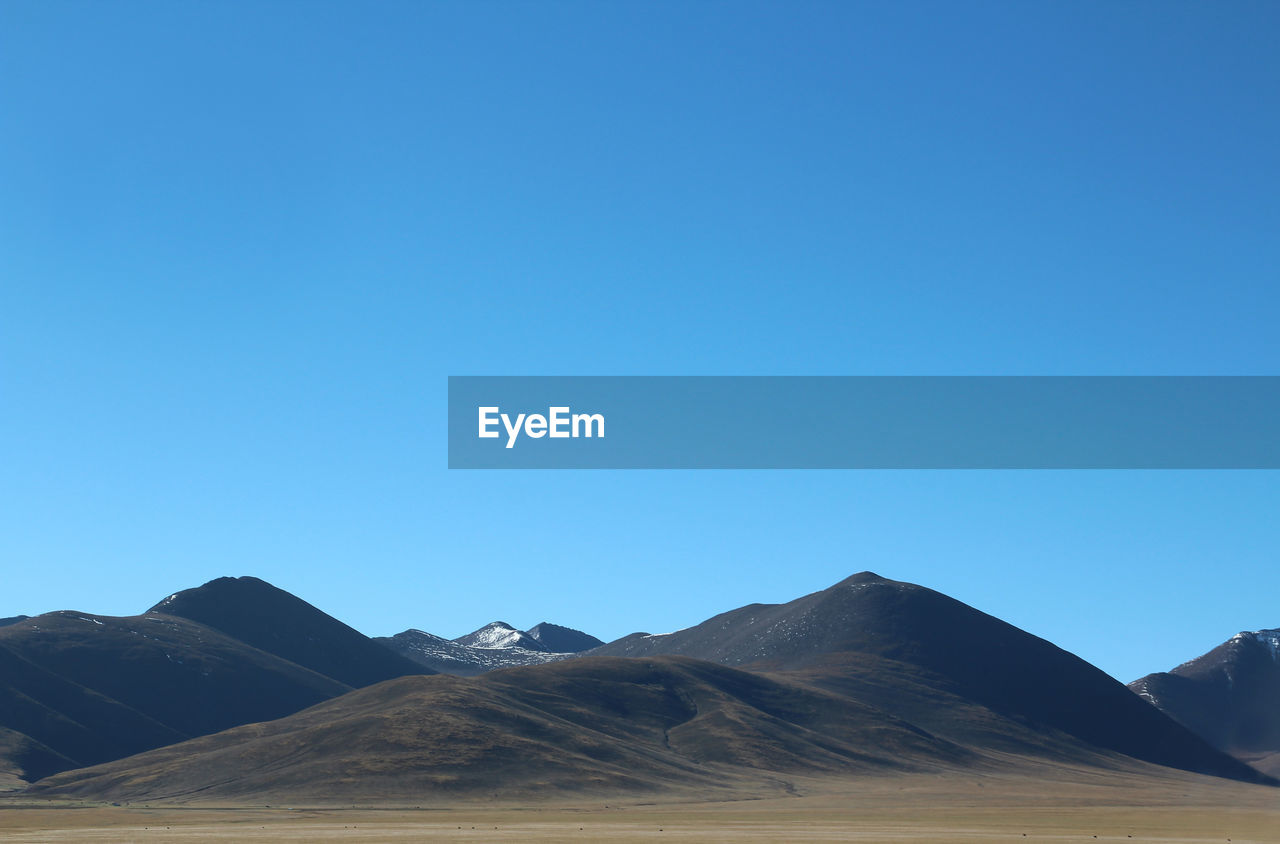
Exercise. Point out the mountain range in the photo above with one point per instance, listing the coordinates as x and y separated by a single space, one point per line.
1230 696
77 689
238 691
586 727
496 645
867 619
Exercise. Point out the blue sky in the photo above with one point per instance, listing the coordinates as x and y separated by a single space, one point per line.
243 245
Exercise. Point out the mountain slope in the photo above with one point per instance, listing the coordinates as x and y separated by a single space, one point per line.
78 689
450 657
496 645
272 620
562 640
579 726
1230 696
868 675
22 758
84 688
499 634
965 652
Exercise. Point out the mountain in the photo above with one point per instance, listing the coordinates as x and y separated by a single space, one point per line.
562 640
582 727
259 614
450 657
20 755
77 689
868 676
940 645
13 619
1230 696
496 645
499 634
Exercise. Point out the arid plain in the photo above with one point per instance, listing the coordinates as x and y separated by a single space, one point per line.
1045 804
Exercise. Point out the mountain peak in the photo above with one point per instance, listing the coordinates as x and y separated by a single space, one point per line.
499 634
1228 695
863 578
562 640
978 657
273 620
1270 639
222 589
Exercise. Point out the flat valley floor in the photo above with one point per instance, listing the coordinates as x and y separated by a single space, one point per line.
1081 806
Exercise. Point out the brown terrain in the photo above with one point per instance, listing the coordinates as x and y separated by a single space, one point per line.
1046 804
873 710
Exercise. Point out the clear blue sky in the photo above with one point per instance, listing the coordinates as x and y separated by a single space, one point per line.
243 244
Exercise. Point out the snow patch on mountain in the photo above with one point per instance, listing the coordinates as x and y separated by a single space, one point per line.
1269 638
454 658
499 634
496 645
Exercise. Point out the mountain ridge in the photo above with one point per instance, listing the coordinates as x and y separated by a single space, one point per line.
92 688
448 656
496 645
823 683
499 634
1230 695
589 726
559 639
275 621
977 656
79 689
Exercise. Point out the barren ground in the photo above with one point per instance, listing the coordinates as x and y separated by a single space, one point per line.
1077 805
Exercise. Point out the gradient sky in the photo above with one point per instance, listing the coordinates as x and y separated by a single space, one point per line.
243 244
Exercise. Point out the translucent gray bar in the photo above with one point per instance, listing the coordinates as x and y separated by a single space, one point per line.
876 422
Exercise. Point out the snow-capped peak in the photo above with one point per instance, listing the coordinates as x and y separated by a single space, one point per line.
499 634
1270 638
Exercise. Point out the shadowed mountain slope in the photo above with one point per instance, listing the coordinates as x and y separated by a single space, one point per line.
272 620
963 652
78 689
499 634
450 657
563 640
22 758
494 646
83 688
1230 696
869 675
580 726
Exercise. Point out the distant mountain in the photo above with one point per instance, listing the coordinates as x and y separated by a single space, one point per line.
562 640
13 619
870 675
496 645
1230 696
259 614
78 689
581 727
499 634
450 657
940 645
